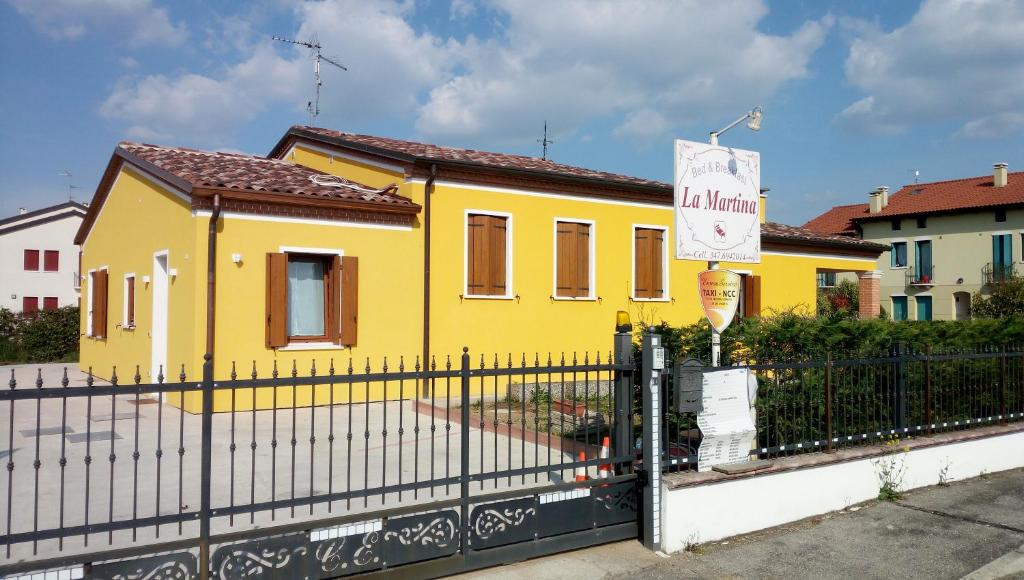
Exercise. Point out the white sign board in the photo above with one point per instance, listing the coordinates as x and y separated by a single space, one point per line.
717 203
725 422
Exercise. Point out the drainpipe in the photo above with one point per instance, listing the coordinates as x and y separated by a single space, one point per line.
211 275
428 189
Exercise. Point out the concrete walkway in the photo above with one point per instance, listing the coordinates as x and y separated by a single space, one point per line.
971 529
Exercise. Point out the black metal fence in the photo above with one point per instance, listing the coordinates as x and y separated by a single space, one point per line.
124 467
839 402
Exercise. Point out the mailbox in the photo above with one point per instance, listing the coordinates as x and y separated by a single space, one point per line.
687 382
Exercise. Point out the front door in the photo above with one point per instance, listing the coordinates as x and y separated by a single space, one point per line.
159 328
924 307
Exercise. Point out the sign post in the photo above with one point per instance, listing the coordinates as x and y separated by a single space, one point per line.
718 212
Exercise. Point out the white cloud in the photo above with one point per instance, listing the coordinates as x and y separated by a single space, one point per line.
955 60
389 65
138 21
461 9
647 66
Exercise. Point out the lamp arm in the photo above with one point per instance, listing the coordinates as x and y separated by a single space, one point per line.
715 134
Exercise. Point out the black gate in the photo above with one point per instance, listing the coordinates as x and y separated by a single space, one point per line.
416 471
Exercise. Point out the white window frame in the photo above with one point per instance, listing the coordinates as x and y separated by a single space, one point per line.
124 300
509 293
324 345
899 241
591 266
88 316
667 297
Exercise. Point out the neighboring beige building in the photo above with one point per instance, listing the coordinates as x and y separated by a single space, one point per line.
947 240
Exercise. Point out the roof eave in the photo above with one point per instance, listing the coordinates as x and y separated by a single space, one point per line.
866 247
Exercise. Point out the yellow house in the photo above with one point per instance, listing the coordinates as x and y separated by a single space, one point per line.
342 247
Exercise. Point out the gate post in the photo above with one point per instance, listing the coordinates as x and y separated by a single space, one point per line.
206 468
652 365
464 455
624 446
900 379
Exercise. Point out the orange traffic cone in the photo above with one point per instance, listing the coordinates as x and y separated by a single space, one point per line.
604 470
581 470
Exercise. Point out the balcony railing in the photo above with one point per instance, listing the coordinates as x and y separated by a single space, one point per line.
997 273
924 276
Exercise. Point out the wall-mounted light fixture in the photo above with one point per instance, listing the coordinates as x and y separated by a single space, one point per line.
173 272
145 279
236 258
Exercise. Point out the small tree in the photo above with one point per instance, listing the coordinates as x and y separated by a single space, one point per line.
1006 299
840 301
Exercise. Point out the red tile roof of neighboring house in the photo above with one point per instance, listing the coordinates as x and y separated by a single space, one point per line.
411 151
955 195
838 220
205 169
771 231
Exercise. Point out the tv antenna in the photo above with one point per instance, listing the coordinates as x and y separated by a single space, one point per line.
917 175
71 186
313 44
545 142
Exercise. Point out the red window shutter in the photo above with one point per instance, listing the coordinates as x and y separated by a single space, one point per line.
497 233
99 304
29 305
32 260
277 300
51 260
130 298
565 284
582 270
50 303
349 301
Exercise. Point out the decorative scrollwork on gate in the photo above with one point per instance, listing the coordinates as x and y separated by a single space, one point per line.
243 564
624 498
493 521
165 571
439 531
366 554
172 566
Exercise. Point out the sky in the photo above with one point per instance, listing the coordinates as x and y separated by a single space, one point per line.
855 94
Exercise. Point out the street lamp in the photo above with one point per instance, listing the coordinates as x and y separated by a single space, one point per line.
754 124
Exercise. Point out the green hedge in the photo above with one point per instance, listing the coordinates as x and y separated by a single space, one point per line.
45 336
791 336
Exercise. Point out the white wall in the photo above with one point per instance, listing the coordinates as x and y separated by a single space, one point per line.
710 512
15 282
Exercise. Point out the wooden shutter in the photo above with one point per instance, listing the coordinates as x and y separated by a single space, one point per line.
50 303
277 300
497 234
130 297
99 304
476 283
657 263
649 252
751 296
582 260
31 260
29 305
51 260
565 282
349 300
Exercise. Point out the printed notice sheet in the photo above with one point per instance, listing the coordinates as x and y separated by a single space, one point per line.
725 422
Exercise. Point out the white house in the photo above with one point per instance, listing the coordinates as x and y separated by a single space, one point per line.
39 258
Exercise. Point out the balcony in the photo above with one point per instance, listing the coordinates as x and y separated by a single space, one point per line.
924 276
997 273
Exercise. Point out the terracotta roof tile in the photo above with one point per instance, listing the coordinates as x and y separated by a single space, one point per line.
838 220
782 232
970 193
429 152
248 172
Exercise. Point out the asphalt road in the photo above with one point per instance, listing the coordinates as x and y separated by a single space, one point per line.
972 528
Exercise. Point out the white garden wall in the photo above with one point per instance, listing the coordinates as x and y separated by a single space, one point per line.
719 509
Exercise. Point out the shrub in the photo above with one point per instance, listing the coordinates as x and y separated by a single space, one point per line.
45 336
1006 299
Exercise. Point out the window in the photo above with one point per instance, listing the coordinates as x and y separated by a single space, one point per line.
487 255
899 307
649 263
572 259
924 307
1000 215
128 320
98 304
50 303
922 222
898 255
750 296
31 260
51 259
923 260
897 225
29 305
311 298
826 279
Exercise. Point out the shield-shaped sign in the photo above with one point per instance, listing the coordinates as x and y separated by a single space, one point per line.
719 296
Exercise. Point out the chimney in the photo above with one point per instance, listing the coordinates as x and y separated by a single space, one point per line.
878 199
22 211
999 175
